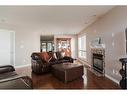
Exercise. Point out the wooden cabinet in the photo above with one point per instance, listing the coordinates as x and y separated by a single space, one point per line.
64 46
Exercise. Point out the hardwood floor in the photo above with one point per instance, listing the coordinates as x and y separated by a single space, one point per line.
48 81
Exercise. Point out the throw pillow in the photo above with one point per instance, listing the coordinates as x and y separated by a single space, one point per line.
54 56
62 54
50 59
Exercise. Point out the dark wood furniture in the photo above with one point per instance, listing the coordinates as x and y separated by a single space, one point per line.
64 45
68 71
123 73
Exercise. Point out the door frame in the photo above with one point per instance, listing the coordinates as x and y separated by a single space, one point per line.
12 51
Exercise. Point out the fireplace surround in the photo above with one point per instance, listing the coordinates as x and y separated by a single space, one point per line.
98 60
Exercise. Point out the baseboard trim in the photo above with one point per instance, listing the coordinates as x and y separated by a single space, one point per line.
22 66
85 62
111 78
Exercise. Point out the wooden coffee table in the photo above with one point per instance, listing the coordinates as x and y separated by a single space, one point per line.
68 71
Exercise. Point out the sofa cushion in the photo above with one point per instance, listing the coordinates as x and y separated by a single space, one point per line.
44 56
54 56
53 62
8 77
51 54
49 59
35 56
59 55
7 68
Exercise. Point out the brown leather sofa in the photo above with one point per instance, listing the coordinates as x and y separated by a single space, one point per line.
42 61
9 79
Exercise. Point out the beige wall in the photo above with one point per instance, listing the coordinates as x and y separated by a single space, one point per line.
111 29
113 23
28 41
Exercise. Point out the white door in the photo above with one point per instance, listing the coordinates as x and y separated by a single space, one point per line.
6 47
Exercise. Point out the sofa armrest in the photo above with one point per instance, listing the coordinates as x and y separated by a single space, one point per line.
39 67
16 82
68 58
38 61
35 57
6 68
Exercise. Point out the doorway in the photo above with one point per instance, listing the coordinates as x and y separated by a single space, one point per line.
47 43
7 47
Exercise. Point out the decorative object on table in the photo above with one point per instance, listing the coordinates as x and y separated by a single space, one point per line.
97 43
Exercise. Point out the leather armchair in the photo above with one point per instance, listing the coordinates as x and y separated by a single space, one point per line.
6 68
9 79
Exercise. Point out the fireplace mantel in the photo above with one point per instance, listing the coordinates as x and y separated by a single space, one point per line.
98 51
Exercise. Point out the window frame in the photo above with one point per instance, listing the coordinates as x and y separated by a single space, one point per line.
79 46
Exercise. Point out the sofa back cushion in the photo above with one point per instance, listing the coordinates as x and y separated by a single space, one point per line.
59 55
35 56
6 68
47 56
52 56
43 55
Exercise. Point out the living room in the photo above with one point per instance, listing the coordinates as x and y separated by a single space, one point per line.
82 31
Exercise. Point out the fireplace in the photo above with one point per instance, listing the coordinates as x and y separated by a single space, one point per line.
98 62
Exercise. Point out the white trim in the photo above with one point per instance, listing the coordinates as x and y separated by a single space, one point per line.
111 78
84 61
13 47
22 66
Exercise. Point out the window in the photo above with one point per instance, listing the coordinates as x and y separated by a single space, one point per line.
49 46
82 46
44 47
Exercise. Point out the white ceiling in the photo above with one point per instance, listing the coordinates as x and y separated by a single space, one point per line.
52 19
